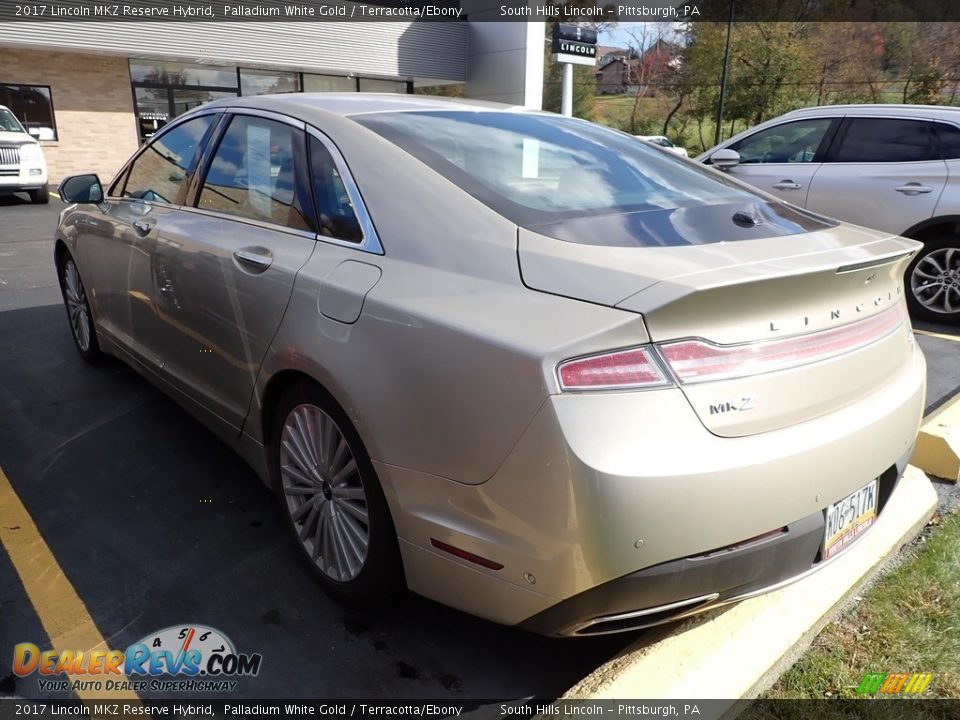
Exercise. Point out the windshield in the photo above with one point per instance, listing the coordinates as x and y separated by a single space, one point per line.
8 122
536 169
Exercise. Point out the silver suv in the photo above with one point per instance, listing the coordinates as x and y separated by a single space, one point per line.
891 167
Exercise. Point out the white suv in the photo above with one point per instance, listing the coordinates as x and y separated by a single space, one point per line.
891 167
22 167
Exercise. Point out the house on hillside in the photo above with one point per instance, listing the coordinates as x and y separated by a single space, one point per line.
622 70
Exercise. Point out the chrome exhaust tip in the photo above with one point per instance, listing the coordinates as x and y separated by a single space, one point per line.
640 619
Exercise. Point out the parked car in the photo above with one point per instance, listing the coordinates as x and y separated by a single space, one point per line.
583 395
664 142
22 166
891 167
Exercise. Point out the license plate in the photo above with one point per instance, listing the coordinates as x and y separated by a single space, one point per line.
849 518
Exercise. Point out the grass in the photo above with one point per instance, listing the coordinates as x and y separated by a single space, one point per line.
615 111
909 621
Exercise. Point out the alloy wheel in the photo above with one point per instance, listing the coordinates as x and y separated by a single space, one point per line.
935 280
77 307
323 492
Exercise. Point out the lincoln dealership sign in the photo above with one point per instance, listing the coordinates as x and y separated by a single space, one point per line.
574 44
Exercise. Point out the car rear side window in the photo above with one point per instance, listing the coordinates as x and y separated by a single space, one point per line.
869 140
158 173
793 142
949 140
335 214
254 172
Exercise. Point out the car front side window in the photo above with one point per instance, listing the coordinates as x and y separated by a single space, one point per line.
159 172
253 173
794 142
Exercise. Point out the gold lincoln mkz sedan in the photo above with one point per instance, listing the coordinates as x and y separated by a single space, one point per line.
521 364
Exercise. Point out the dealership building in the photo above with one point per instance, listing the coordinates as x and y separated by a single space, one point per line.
93 91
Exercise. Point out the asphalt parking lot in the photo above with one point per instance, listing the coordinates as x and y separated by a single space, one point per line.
155 523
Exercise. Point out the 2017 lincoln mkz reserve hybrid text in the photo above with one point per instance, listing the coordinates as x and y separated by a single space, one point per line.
527 366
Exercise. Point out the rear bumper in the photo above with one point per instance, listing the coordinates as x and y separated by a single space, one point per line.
688 586
608 502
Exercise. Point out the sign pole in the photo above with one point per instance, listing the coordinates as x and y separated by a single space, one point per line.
572 45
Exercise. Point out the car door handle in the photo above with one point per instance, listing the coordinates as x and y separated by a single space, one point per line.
913 188
787 185
254 258
143 227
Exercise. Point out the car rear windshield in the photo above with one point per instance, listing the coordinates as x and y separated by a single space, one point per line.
537 169
9 122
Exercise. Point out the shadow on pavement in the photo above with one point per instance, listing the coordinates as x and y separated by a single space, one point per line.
157 523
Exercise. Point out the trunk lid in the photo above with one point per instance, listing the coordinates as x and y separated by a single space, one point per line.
840 284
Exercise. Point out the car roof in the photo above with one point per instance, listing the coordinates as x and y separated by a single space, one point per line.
883 109
304 105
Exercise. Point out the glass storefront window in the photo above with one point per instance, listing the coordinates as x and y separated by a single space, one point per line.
174 73
153 110
265 82
383 86
184 100
328 83
33 106
158 106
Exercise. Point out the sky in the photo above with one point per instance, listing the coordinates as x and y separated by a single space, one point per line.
620 34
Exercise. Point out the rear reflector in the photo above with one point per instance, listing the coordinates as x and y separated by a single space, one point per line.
694 361
620 370
463 554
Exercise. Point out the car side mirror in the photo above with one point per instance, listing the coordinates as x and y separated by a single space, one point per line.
725 159
81 189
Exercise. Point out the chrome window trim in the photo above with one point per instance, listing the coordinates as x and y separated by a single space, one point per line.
263 224
268 114
371 240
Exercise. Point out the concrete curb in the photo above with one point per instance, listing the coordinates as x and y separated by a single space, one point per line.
740 651
938 444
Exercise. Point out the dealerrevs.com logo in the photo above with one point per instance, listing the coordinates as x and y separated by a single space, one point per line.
200 657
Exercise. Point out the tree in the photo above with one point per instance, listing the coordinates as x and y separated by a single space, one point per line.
653 59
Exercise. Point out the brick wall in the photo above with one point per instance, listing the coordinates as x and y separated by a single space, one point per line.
92 104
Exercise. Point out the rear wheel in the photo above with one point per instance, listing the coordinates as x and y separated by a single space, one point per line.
331 497
933 281
40 196
78 311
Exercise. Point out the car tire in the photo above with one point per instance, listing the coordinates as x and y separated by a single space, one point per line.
331 499
40 196
82 327
933 281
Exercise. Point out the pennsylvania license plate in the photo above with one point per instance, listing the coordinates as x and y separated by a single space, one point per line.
849 518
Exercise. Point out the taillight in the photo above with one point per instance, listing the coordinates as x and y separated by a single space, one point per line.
694 361
620 370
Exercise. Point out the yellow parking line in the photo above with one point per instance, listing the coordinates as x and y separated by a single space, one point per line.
942 336
55 193
61 611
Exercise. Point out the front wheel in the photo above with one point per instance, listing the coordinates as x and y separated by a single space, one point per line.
331 498
78 312
933 281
